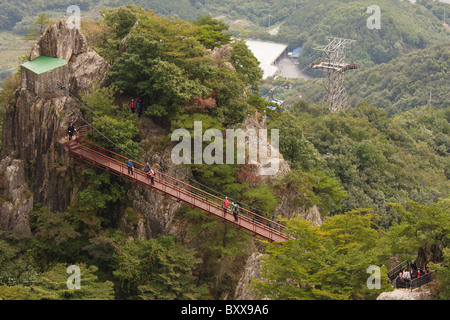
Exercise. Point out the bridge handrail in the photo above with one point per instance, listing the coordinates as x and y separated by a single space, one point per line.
256 219
394 271
416 282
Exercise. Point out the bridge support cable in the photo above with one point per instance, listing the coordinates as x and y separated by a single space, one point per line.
159 161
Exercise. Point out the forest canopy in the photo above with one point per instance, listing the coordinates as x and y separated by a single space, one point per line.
377 174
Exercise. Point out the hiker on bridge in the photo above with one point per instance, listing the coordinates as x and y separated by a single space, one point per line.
130 166
71 130
235 209
225 206
150 173
147 169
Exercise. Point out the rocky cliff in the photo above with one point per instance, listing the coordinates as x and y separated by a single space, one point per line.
286 209
34 166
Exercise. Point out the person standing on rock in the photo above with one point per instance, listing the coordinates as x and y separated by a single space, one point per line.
71 130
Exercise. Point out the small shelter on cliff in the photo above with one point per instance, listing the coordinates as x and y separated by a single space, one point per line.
43 72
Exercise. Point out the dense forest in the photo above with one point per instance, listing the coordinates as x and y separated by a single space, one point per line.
377 159
378 173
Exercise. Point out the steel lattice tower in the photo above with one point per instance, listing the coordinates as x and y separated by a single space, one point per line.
333 66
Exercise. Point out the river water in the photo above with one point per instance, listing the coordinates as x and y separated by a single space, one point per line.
267 54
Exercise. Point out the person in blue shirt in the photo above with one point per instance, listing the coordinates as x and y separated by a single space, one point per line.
147 170
130 166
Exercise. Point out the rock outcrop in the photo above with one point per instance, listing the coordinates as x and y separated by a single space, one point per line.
221 55
406 294
63 40
243 291
287 208
35 125
17 199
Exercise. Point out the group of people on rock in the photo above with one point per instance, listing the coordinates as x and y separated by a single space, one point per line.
150 173
414 272
233 207
137 106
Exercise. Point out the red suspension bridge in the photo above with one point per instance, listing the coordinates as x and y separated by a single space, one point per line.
198 199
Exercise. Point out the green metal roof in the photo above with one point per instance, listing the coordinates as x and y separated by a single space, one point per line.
43 64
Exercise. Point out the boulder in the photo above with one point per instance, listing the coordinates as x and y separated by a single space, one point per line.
61 40
422 293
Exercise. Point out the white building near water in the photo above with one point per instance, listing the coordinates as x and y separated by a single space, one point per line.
268 54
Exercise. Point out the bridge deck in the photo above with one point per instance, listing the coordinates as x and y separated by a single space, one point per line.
198 199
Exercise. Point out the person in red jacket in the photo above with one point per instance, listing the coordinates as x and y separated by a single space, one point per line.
132 106
225 205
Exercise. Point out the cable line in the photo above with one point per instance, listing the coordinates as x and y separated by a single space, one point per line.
159 161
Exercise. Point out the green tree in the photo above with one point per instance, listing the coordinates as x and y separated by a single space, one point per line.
157 269
52 285
223 250
260 198
15 264
295 148
121 19
212 32
167 61
323 263
443 275
97 205
55 236
140 70
118 127
40 23
311 189
424 229
16 293
247 66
